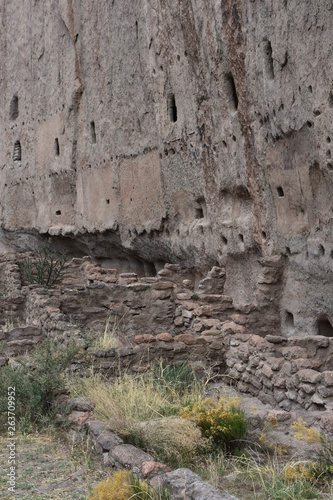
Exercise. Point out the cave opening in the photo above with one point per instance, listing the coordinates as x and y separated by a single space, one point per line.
324 327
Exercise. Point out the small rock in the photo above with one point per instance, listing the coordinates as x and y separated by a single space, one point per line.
81 404
150 469
15 366
183 483
79 417
328 378
3 361
326 422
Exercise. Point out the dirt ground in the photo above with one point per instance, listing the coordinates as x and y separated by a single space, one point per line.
49 469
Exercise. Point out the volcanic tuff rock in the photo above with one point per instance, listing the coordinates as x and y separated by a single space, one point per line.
198 133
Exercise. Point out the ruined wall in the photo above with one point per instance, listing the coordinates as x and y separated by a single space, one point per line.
168 317
194 132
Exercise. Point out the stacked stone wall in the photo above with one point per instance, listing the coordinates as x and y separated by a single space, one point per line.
168 317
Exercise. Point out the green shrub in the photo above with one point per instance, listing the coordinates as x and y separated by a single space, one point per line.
300 490
224 422
178 375
36 390
46 268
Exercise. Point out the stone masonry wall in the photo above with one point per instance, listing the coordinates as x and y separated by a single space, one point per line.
168 317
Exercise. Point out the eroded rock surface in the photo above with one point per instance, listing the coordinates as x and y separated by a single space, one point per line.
197 133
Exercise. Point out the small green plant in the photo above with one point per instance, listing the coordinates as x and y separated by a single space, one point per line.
299 490
46 268
36 391
224 422
179 375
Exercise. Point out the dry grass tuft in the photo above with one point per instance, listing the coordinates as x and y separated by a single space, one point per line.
108 339
175 441
126 400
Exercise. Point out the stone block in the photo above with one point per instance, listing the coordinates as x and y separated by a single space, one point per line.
211 332
267 371
165 337
317 399
81 404
294 352
309 376
275 363
308 388
179 347
144 339
127 455
183 483
188 339
231 328
325 392
279 395
275 339
279 380
213 323
179 321
79 417
326 422
3 361
327 378
257 341
151 469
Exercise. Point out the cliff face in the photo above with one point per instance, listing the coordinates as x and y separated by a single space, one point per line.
189 131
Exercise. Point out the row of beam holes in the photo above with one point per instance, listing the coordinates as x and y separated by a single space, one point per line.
225 241
321 252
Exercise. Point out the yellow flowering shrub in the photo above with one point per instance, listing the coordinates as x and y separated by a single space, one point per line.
299 472
224 422
123 486
117 487
304 433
